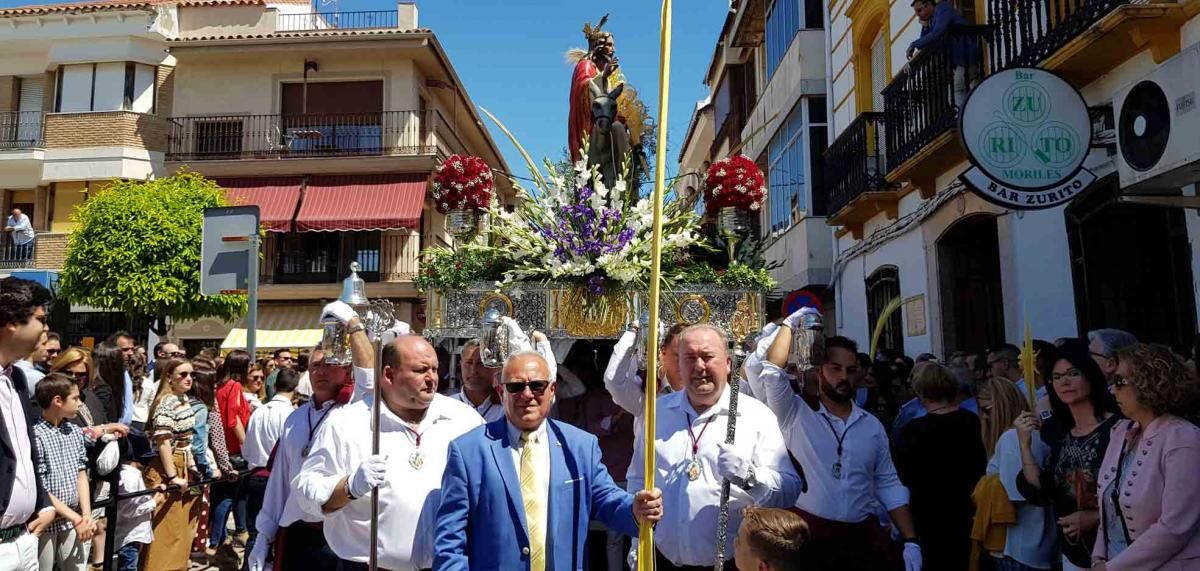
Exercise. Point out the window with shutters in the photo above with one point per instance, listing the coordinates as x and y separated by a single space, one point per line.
108 86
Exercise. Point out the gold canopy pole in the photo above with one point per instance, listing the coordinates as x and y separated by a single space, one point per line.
646 535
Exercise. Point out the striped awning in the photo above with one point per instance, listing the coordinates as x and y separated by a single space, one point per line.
276 198
362 202
280 327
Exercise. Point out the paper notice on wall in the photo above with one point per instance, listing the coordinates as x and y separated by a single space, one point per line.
914 316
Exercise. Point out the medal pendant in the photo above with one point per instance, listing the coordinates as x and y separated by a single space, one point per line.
416 460
837 470
693 470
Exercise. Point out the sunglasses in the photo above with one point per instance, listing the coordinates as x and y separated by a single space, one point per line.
177 354
184 374
255 378
538 388
80 376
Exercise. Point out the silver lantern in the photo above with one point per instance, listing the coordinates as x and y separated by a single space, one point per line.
808 343
640 345
733 223
335 339
462 222
494 345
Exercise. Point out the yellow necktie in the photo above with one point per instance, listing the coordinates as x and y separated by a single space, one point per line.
535 512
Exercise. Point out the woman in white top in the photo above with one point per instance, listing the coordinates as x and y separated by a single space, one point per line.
1030 542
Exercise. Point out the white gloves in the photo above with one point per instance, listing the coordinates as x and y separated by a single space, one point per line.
912 557
400 328
732 466
258 556
517 339
371 474
793 320
340 311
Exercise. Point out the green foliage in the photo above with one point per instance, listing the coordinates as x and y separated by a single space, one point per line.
446 269
735 277
136 248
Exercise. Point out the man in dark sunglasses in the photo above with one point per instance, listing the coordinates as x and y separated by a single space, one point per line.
541 467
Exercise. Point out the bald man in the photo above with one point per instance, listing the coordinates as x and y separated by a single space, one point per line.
416 426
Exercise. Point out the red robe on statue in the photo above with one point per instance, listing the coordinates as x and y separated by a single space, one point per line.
579 120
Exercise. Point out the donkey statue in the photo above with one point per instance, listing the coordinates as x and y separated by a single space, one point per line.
608 145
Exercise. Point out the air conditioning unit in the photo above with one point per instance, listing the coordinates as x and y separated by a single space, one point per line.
1158 125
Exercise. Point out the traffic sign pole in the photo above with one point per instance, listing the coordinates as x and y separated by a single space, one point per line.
252 295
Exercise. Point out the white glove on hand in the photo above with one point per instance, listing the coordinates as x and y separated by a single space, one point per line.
371 474
400 328
793 320
258 556
517 339
732 466
340 311
912 557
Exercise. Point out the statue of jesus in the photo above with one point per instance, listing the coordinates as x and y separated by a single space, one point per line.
599 60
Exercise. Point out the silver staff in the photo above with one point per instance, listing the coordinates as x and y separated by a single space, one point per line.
735 383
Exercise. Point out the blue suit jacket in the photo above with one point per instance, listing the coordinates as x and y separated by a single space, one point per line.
481 520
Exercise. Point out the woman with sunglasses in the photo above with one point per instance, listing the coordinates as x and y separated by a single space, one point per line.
253 388
1084 417
1149 485
171 427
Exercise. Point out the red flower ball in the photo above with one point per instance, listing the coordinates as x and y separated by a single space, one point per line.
462 182
735 181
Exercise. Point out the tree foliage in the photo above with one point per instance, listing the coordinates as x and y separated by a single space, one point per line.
136 248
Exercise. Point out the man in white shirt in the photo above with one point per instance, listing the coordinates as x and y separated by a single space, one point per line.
416 427
479 384
845 455
28 365
288 525
262 434
693 458
22 235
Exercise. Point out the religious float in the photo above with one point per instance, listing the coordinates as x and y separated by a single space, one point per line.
571 256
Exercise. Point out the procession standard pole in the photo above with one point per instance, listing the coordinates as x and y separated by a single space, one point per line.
646 533
730 434
377 393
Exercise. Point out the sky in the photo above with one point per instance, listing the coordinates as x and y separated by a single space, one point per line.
510 56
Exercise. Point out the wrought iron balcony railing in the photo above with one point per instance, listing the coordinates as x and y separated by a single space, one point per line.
1026 33
21 129
856 162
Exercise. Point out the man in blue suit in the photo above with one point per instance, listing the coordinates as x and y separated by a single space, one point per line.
517 494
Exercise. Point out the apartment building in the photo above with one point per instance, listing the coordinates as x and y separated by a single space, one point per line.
971 272
330 122
767 101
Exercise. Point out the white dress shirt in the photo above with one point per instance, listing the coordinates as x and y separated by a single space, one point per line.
867 473
281 506
409 501
134 515
24 489
687 533
266 424
489 410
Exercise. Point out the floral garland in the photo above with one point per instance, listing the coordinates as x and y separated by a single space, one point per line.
733 182
462 182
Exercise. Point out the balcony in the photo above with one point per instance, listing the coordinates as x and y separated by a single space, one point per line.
239 145
317 21
1082 39
21 130
855 169
312 264
921 106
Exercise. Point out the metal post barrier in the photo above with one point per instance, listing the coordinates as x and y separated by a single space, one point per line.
110 511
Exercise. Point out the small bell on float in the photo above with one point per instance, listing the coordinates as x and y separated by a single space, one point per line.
494 345
335 339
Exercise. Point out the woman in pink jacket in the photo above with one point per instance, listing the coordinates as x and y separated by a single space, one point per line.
1148 482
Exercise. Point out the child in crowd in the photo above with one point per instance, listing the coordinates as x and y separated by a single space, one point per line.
134 527
61 462
770 540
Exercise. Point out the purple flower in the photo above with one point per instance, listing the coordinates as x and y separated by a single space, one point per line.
595 285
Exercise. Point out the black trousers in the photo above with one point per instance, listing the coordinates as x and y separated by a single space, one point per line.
304 547
344 565
254 489
663 564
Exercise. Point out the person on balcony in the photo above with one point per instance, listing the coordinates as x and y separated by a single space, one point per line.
937 21
22 235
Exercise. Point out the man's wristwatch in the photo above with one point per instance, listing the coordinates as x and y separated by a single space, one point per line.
356 328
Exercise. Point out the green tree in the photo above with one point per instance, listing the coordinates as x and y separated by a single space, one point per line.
136 248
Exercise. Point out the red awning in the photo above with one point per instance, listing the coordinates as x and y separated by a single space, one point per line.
367 202
276 198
